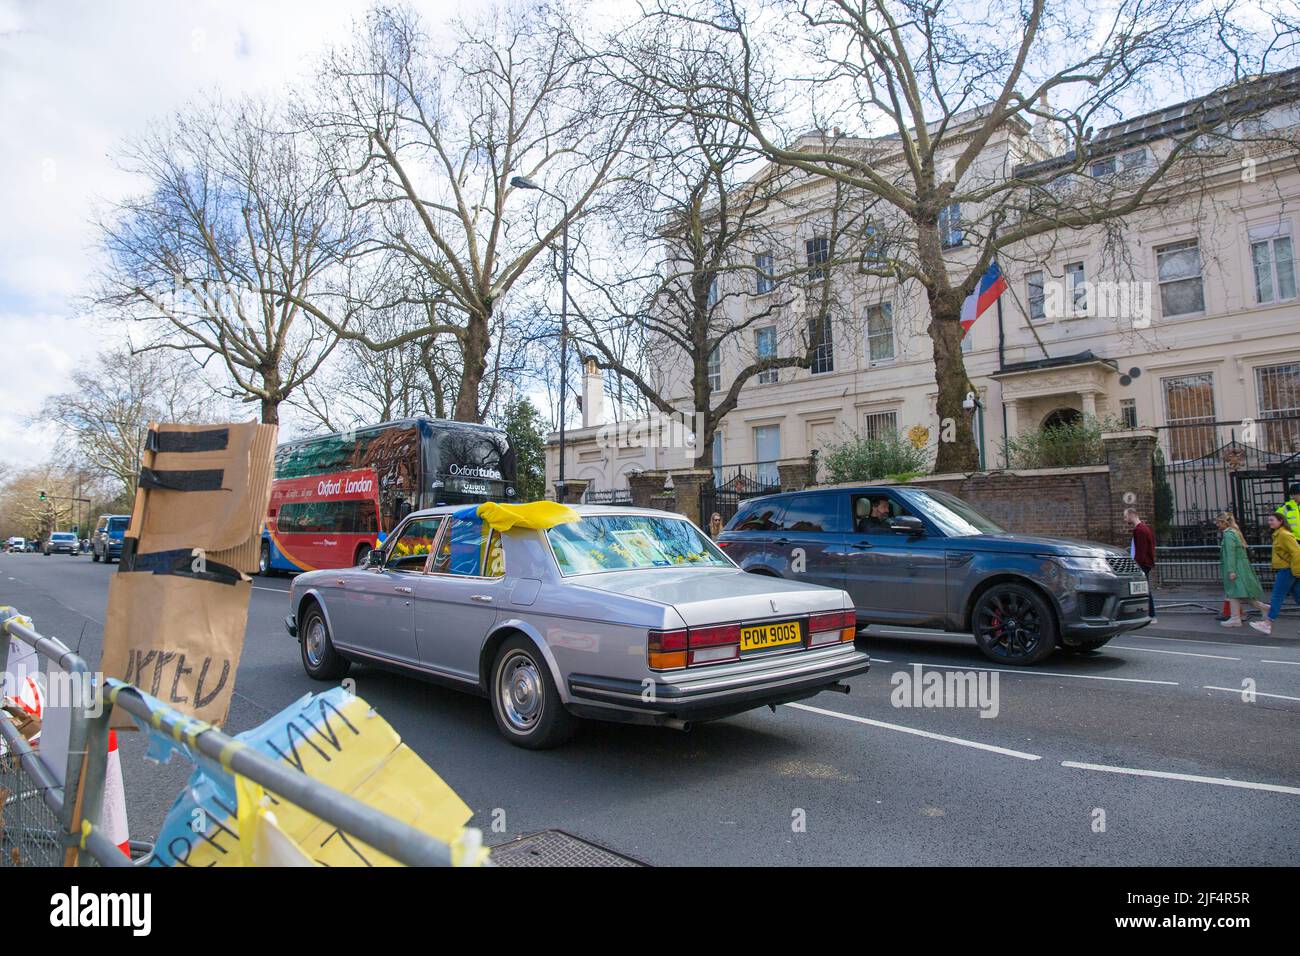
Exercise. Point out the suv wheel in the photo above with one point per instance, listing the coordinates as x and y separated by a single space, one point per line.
94 555
1013 625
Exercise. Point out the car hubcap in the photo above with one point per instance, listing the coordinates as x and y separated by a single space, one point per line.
313 641
521 692
1009 625
265 562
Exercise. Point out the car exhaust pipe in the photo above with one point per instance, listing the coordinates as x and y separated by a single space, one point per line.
839 688
683 725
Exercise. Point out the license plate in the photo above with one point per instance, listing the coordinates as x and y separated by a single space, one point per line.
762 636
1137 587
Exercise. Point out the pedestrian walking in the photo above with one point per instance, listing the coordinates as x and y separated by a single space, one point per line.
1290 509
1286 562
1239 580
1142 548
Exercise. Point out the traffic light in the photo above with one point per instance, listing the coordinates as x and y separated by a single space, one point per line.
42 496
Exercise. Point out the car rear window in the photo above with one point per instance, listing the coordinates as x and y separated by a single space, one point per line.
631 542
757 516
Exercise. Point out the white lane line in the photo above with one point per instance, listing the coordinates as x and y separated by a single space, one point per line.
1254 693
1156 650
276 590
1292 663
1037 673
1188 640
1187 777
919 733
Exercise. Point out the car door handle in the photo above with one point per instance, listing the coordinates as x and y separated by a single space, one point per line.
402 589
481 598
860 544
781 541
341 582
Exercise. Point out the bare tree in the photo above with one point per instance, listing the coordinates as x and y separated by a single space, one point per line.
943 107
106 413
428 142
239 227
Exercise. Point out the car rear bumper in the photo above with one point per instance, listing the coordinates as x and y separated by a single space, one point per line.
701 695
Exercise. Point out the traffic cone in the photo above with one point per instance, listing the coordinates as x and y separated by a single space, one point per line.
113 817
1227 610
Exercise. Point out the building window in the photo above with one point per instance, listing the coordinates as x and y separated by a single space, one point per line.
818 250
880 333
765 347
1076 284
765 270
1135 158
880 426
1034 282
1178 268
950 234
1189 411
819 335
1102 167
873 245
1128 412
715 370
767 452
1272 259
1277 390
713 292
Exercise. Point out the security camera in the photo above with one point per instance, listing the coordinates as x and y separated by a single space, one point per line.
969 402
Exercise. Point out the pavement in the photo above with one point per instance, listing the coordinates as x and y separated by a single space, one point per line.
1146 752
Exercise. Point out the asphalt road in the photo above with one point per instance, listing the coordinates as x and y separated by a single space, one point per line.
1062 775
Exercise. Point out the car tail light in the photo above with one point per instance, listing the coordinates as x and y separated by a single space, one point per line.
666 650
832 628
723 544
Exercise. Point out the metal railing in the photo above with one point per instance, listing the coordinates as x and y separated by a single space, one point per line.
63 829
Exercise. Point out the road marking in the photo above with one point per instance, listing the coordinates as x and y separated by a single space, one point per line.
919 733
1292 663
1036 673
1188 640
1156 650
1254 693
1187 777
276 590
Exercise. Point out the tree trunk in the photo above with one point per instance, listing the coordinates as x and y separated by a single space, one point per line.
474 349
270 411
957 451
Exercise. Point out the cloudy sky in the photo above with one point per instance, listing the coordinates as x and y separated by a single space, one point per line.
77 77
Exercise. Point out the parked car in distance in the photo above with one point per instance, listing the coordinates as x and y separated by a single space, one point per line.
61 542
106 539
625 615
922 558
16 543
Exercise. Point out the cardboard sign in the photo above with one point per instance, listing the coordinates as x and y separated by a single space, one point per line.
335 738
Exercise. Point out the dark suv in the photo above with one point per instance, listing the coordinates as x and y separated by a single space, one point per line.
921 558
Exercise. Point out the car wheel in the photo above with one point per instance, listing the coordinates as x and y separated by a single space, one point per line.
525 702
1013 625
264 561
319 658
362 553
1083 647
94 555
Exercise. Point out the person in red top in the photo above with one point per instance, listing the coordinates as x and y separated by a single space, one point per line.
1143 550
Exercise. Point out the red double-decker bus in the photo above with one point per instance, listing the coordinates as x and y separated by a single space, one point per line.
322 521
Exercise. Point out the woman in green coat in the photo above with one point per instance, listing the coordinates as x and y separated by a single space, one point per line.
1239 580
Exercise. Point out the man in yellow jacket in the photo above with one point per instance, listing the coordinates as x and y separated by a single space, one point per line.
1286 562
1290 510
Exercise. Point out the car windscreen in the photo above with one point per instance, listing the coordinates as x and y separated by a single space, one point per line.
63 536
118 524
953 516
631 542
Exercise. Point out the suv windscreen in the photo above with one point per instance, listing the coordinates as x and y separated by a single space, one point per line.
118 524
953 516
814 513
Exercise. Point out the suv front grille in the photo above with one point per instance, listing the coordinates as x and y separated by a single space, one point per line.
1123 565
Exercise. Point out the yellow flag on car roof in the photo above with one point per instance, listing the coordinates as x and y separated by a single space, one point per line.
536 515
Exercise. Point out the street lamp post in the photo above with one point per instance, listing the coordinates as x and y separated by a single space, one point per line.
523 182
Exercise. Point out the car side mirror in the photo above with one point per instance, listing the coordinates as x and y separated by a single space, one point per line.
375 558
906 524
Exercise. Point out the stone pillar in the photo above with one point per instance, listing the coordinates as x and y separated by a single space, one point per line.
645 485
1132 484
574 489
1089 400
795 476
687 487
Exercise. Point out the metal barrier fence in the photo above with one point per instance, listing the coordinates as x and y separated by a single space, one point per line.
41 825
1199 564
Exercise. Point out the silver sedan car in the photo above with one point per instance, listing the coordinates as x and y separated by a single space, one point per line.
627 614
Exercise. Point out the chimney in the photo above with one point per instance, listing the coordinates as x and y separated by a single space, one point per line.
593 395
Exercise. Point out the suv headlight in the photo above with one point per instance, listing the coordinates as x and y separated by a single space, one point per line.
1095 565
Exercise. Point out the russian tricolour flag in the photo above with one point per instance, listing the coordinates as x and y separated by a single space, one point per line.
992 284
